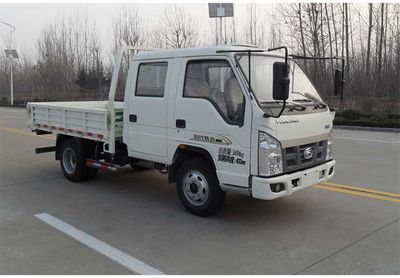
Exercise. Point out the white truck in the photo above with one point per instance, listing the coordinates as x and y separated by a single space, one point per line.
216 120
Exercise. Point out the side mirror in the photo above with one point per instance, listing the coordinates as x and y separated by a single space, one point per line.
280 88
338 82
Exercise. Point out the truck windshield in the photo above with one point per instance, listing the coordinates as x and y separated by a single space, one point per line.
301 90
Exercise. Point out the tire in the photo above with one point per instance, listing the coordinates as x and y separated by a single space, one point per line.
73 163
198 187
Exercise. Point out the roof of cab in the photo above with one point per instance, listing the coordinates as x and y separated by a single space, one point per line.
195 51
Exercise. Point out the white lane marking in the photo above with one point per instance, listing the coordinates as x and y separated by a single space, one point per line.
368 140
112 253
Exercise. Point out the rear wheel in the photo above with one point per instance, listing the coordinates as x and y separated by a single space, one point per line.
73 164
198 187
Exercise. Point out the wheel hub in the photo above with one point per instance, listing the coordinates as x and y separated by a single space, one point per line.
69 160
193 188
196 188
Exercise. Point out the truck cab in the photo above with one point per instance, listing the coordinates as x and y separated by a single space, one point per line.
195 104
210 119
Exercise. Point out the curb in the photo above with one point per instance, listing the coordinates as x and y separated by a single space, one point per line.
367 128
13 106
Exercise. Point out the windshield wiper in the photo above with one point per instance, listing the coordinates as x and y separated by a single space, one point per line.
317 103
295 106
302 100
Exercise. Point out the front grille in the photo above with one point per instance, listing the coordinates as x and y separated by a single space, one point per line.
294 158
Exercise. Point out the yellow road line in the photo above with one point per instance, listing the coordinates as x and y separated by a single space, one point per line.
357 193
362 189
25 132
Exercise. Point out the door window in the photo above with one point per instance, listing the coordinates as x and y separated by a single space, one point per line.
151 79
215 81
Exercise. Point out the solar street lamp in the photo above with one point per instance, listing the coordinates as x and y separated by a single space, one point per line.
11 54
220 10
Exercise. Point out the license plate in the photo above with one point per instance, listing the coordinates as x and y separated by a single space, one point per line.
310 177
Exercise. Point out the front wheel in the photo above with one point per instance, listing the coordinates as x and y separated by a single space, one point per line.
198 187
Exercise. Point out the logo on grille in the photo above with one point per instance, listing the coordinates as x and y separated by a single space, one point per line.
308 153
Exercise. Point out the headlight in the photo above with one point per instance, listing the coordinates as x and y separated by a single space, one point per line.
269 155
329 151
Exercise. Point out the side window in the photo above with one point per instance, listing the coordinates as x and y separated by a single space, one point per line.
215 81
151 79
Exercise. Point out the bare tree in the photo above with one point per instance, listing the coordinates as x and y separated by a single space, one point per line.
367 61
329 33
127 27
381 37
346 20
303 45
69 63
255 29
335 31
275 33
177 28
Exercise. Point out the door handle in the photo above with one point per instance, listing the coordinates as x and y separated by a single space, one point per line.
133 118
180 123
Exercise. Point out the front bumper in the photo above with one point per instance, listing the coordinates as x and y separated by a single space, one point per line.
261 187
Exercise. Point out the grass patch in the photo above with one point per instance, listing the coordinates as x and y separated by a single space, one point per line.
368 122
356 118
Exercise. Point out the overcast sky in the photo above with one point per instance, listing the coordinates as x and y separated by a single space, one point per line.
29 19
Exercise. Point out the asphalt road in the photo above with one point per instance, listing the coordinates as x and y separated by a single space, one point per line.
322 230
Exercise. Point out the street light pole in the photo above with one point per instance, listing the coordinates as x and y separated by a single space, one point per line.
221 39
12 82
12 29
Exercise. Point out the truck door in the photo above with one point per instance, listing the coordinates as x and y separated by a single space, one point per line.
147 117
212 112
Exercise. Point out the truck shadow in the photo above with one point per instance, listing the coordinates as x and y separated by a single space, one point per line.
151 189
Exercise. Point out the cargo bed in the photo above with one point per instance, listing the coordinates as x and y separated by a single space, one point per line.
86 119
100 121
